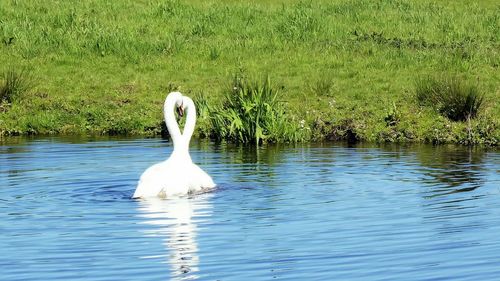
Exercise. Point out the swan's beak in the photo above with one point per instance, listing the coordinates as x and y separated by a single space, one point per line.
180 110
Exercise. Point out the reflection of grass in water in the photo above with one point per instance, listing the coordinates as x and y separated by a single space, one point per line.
268 154
458 168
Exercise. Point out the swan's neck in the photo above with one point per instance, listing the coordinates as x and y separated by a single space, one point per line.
168 112
181 141
190 119
181 152
181 146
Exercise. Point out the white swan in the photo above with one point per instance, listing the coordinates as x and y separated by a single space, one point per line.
177 175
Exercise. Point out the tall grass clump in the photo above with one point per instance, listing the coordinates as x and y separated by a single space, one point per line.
204 110
14 85
251 113
453 98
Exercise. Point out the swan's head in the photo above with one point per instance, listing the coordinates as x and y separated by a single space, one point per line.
180 108
186 102
177 99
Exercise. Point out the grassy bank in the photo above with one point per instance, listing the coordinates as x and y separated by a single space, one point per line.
344 69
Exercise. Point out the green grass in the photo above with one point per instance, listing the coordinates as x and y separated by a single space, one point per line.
346 68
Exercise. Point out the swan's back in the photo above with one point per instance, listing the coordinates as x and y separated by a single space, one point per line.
165 179
168 179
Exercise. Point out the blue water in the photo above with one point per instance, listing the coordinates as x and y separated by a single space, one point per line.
306 212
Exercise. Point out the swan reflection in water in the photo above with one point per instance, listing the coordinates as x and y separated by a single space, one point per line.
175 220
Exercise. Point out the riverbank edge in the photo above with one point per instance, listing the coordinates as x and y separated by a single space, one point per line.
346 130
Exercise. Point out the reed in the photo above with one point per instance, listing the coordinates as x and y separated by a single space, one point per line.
252 113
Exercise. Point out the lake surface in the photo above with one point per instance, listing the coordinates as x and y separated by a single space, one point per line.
306 212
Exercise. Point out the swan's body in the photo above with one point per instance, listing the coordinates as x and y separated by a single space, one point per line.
177 175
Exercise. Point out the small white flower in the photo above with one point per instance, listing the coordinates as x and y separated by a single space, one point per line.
302 123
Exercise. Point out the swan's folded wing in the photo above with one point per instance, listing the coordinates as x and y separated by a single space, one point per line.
199 179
